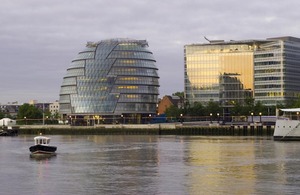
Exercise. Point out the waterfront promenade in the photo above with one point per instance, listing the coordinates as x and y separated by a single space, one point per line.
205 129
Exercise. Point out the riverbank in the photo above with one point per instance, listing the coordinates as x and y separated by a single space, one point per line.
150 129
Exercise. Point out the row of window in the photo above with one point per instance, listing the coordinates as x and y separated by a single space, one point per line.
135 63
267 63
134 71
85 55
135 89
267 86
271 78
135 107
75 72
131 55
271 70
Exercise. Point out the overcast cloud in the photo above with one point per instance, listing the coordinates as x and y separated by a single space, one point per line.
39 38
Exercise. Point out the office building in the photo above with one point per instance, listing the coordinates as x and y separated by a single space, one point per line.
230 71
110 81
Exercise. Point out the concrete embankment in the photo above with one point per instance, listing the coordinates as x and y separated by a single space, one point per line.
149 129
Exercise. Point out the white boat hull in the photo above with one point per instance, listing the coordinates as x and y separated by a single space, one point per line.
287 130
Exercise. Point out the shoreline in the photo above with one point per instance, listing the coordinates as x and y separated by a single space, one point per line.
150 129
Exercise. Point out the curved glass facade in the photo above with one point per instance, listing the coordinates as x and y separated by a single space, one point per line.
115 77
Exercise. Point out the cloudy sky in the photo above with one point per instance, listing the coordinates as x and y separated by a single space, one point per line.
39 38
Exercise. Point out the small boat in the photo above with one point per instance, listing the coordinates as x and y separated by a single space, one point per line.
42 146
287 127
9 131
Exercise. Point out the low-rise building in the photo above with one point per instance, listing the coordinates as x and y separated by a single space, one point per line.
168 101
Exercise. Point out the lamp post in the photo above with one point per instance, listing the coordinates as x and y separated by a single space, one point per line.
260 117
218 115
210 117
43 113
122 116
149 118
252 117
181 118
25 120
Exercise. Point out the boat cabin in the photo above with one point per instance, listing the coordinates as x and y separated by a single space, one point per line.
41 140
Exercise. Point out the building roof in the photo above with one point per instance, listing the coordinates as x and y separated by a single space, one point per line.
250 41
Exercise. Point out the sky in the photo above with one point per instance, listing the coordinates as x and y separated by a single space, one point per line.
40 38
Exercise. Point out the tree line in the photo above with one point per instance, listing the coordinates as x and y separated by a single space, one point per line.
213 109
29 114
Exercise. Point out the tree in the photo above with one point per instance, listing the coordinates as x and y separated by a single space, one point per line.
27 111
179 94
173 111
1 115
212 108
197 110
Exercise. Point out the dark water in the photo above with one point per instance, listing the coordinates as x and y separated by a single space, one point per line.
151 165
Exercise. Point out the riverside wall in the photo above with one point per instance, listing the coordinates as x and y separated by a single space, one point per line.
150 129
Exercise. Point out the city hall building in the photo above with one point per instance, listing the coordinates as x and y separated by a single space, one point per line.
230 71
111 81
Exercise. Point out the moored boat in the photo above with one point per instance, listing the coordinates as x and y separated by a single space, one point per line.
287 127
42 146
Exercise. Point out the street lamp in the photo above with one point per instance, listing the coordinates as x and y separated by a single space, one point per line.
210 117
181 118
25 120
149 118
260 117
252 117
218 117
123 119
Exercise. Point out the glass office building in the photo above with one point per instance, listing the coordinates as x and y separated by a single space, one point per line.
229 72
277 71
113 80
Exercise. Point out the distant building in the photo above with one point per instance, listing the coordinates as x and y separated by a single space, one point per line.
54 108
229 72
10 109
168 101
109 81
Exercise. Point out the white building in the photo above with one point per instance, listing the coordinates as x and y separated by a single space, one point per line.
54 107
7 122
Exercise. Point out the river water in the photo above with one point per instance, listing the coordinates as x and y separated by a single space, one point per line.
130 164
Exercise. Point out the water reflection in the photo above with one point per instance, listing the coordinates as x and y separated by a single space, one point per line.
42 157
218 164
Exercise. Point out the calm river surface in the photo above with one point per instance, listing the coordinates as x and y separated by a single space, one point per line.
151 165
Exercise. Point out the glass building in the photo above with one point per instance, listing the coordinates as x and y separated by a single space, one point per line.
229 72
277 71
111 81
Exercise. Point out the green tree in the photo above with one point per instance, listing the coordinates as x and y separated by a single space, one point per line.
212 108
197 110
293 104
29 112
259 108
179 94
2 115
238 110
173 112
